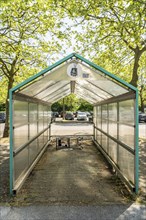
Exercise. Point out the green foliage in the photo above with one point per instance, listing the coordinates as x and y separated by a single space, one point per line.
3 90
27 36
85 106
142 86
113 30
2 107
57 107
73 104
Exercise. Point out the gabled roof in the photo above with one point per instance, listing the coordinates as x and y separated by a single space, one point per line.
73 74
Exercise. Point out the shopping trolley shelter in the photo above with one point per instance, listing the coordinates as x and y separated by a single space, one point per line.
115 117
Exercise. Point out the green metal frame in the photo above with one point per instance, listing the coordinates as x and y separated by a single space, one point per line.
11 140
71 56
136 144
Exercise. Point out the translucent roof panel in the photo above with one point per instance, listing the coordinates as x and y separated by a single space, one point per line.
74 76
36 87
109 86
58 87
57 92
93 88
88 99
58 96
88 93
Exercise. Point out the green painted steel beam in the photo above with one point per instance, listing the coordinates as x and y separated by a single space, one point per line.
11 141
137 145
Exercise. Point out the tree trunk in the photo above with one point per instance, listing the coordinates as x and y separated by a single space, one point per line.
141 99
142 105
6 129
63 108
134 79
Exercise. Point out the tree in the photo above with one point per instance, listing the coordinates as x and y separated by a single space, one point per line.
2 107
85 106
116 26
25 27
56 107
142 88
71 103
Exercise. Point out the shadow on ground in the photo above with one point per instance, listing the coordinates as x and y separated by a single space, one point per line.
142 170
74 176
4 173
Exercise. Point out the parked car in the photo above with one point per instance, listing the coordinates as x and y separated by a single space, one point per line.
90 117
52 117
82 116
142 117
76 113
55 114
2 117
69 116
88 114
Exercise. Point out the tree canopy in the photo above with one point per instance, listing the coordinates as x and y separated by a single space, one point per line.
72 103
112 33
112 27
28 34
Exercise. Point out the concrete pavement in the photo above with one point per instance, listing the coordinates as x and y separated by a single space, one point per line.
108 212
63 212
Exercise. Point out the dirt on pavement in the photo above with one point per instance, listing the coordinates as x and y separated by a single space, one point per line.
76 176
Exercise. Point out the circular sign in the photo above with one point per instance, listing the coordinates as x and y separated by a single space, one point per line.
74 70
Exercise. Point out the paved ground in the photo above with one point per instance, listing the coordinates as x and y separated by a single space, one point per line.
142 167
71 128
109 212
4 172
78 211
1 129
74 176
142 130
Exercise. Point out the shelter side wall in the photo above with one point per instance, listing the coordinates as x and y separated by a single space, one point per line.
114 132
31 132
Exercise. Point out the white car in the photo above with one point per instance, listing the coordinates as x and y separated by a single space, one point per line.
82 116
